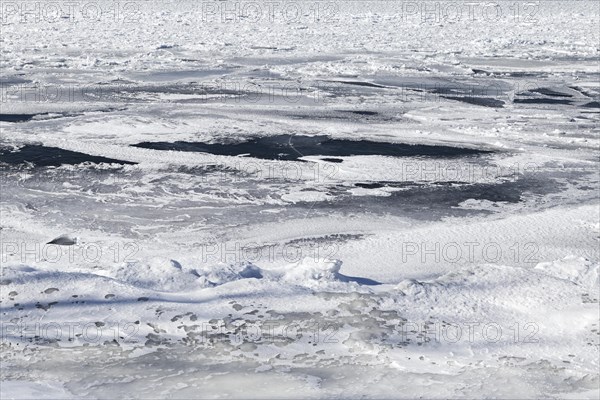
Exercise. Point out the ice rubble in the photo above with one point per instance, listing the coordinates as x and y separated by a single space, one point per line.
162 275
170 294
576 269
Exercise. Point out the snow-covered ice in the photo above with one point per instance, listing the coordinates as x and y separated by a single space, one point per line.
300 199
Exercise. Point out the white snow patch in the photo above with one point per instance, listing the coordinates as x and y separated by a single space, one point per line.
575 269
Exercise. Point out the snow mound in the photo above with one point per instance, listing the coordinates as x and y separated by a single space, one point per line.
311 270
503 291
157 274
412 287
308 272
575 269
170 276
223 273
164 275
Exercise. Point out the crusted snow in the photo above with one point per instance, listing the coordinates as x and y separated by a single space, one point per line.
196 275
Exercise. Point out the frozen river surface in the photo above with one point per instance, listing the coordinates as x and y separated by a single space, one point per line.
366 200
